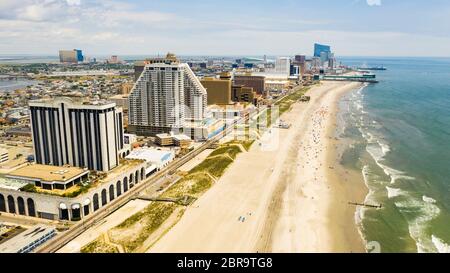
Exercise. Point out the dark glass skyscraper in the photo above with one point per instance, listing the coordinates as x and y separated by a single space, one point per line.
80 57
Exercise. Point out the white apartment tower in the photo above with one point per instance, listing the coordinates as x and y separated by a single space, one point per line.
164 97
66 130
283 65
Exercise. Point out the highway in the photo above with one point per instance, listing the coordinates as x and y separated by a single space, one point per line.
65 237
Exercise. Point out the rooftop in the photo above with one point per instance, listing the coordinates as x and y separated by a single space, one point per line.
164 135
79 101
22 241
150 155
11 184
181 137
48 173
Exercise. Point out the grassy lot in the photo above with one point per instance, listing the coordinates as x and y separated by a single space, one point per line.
245 143
99 246
192 184
286 103
135 230
215 166
231 150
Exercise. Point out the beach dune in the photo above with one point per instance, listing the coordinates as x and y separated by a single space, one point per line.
290 199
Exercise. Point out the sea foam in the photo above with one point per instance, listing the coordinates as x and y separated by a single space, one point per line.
428 199
440 245
393 192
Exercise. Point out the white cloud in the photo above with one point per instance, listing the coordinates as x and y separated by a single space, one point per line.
112 27
73 2
374 2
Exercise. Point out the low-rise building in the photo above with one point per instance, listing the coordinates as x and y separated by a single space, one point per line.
65 193
28 240
164 139
182 141
231 112
155 159
243 94
203 130
50 177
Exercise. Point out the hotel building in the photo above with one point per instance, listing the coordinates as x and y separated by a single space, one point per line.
71 56
66 130
166 95
256 82
219 90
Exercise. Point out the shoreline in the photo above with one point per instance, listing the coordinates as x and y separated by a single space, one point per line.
312 212
350 186
286 196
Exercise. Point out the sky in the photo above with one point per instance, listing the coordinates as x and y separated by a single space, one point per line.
226 27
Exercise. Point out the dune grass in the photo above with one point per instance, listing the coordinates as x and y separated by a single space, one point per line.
99 246
191 185
231 150
144 223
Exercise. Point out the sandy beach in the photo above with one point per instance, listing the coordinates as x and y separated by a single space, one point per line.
290 199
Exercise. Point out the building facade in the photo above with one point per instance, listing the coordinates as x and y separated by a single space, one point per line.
165 95
56 207
318 49
218 90
282 65
255 82
68 131
140 65
71 56
243 94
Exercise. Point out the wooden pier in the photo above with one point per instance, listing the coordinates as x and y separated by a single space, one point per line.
365 205
350 80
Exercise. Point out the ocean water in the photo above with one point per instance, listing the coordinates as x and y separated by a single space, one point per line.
400 135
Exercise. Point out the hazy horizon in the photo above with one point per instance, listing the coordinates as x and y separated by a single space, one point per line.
377 28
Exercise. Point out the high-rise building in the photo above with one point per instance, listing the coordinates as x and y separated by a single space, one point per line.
71 56
318 49
164 97
80 57
140 65
256 82
67 130
299 59
282 65
218 90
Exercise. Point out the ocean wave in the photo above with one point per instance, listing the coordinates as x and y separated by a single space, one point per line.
428 199
385 148
440 245
370 197
375 150
395 174
417 226
378 151
393 192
